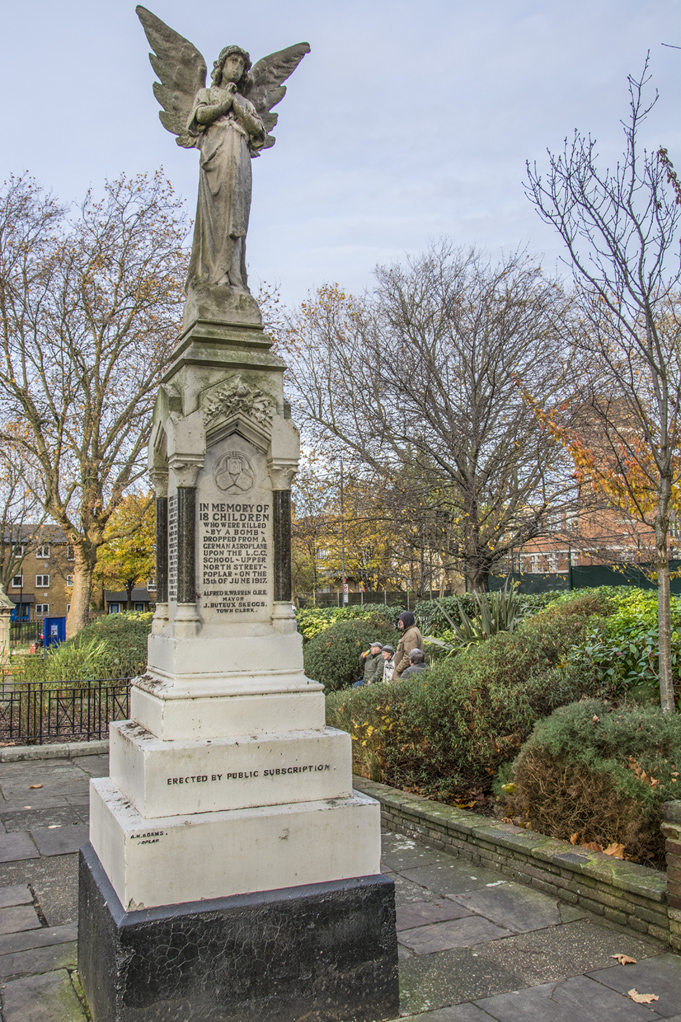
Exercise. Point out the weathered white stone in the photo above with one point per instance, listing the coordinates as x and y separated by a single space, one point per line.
178 714
171 778
211 855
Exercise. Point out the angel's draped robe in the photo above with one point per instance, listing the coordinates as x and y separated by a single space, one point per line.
224 203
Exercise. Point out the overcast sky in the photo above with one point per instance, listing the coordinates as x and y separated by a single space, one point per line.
407 121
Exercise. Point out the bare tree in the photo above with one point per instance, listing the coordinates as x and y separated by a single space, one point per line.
621 229
89 309
21 519
424 381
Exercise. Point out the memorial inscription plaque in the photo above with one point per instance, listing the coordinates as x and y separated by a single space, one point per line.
172 548
234 534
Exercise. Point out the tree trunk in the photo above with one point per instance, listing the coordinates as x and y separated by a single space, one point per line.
664 617
79 614
128 593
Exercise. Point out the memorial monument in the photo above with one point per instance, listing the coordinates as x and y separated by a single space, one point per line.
232 873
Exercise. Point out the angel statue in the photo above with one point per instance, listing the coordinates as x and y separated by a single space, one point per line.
229 122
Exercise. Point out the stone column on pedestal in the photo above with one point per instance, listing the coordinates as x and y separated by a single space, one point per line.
159 478
228 823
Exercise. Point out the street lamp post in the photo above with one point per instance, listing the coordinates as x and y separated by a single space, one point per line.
342 535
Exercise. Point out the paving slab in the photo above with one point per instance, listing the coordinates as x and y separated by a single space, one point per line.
453 933
660 975
12 942
573 1000
17 847
455 877
456 1013
38 960
32 819
94 766
18 894
568 950
17 918
450 977
513 905
421 913
406 891
60 840
54 880
46 998
399 852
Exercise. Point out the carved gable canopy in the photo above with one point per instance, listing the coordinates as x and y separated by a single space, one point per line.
234 406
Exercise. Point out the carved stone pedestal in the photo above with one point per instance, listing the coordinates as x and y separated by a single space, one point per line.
320 952
232 873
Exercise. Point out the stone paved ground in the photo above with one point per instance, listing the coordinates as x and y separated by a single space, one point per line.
473 947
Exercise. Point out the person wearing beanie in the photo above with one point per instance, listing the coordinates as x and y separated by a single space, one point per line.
389 665
411 639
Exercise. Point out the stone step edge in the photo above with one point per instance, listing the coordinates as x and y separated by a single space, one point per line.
58 750
648 884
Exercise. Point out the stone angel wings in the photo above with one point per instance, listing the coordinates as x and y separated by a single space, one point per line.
229 122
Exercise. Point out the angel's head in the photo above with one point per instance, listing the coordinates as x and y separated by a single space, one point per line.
233 64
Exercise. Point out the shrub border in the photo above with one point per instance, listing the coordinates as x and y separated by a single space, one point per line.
625 893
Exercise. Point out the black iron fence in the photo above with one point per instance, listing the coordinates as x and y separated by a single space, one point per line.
33 714
21 633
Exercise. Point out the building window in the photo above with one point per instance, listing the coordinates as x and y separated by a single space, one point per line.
42 581
151 585
18 550
70 553
139 606
43 551
69 580
18 581
114 608
42 608
68 607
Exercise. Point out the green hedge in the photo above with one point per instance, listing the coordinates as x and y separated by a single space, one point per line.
313 620
600 772
446 733
432 619
114 646
332 657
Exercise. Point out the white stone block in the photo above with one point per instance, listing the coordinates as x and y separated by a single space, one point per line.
177 714
172 778
191 858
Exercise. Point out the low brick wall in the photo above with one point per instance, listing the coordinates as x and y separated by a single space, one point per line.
625 893
671 828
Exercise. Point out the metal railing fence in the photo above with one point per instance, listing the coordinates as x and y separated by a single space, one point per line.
36 713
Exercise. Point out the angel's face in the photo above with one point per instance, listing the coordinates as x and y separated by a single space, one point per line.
233 69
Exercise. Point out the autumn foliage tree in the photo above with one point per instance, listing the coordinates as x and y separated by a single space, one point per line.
621 230
90 304
128 555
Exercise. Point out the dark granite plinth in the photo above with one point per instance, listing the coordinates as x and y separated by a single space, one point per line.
321 953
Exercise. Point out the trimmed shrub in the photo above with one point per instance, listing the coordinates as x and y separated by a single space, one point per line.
623 650
313 620
598 772
429 612
114 646
445 733
332 657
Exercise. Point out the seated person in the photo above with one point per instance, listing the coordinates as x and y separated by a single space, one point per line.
389 665
417 663
373 665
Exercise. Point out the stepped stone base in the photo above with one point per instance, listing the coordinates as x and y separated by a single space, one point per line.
325 952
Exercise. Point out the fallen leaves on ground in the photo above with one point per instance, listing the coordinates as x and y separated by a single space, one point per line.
591 846
465 805
642 998
35 785
624 959
574 838
615 849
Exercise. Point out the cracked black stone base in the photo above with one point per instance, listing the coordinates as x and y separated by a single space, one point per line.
321 953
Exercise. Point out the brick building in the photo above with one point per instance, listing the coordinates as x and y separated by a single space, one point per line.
41 585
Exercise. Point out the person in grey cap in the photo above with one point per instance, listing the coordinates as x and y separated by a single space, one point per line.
373 664
417 663
389 662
